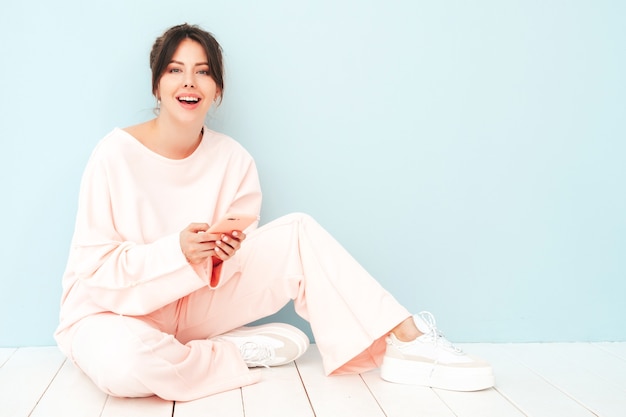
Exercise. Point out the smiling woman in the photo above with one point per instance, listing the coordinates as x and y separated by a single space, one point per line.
154 302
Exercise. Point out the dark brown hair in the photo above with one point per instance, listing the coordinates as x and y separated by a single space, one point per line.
165 46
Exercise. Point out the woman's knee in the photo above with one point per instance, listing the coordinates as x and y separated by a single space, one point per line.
298 217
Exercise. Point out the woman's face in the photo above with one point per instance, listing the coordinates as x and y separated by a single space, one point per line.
186 89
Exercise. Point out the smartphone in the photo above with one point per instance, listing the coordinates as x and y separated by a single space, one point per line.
232 221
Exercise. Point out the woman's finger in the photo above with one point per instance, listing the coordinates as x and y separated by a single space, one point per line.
233 243
221 254
203 237
225 247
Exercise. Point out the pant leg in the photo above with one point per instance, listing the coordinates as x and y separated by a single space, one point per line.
294 258
128 357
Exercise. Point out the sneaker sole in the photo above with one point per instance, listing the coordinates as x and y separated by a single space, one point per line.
445 377
282 331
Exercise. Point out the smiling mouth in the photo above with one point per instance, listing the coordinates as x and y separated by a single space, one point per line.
188 100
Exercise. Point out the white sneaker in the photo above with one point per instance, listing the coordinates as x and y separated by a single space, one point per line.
267 345
431 360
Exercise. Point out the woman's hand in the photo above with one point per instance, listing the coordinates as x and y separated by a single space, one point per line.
228 245
198 245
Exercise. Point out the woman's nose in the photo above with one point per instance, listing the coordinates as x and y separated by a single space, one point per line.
189 81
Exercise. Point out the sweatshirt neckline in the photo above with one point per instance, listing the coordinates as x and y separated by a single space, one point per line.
149 152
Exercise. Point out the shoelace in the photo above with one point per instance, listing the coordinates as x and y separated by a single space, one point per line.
254 354
435 334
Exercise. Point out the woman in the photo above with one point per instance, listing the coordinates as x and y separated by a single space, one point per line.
153 304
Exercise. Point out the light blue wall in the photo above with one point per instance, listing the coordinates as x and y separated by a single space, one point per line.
470 154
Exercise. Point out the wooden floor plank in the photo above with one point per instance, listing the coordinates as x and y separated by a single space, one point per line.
25 377
600 362
616 348
523 387
398 400
485 403
225 404
279 393
5 354
561 365
137 407
344 395
71 394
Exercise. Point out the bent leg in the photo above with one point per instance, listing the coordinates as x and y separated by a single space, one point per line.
294 258
127 357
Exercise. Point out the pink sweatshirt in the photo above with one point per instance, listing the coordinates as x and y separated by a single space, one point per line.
125 255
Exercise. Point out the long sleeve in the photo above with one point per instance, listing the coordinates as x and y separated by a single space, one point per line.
133 204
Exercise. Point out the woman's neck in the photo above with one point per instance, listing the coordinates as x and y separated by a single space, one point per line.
175 140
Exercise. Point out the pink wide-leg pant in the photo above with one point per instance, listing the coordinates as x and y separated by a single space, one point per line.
167 352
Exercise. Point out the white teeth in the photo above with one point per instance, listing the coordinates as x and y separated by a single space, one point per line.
188 99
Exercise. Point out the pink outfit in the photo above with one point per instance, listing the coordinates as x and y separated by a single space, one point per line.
136 317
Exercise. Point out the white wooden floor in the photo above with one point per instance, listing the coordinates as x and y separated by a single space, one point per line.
551 380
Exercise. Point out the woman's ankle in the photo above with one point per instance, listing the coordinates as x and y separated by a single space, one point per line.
406 331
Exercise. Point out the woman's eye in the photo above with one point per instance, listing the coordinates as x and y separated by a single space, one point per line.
203 72
175 70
